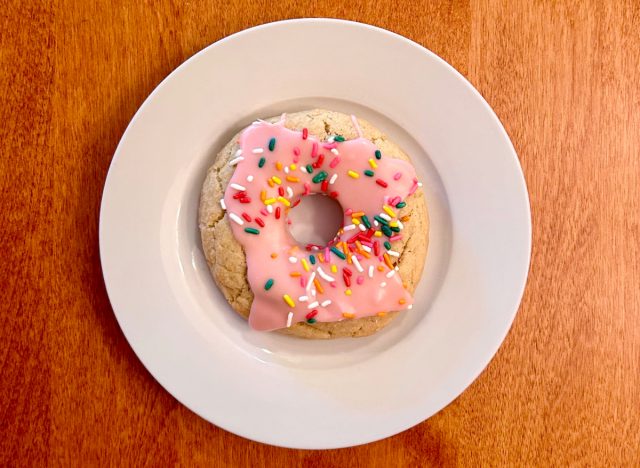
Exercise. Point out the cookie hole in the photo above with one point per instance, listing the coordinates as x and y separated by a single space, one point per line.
315 220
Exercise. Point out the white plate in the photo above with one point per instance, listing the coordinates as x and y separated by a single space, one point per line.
285 391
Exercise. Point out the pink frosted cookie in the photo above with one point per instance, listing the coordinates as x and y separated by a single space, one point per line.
353 285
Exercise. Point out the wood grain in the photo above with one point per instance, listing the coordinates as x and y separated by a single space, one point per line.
562 76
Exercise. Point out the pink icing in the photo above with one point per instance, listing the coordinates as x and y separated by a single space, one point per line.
273 254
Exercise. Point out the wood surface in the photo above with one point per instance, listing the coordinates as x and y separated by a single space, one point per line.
564 77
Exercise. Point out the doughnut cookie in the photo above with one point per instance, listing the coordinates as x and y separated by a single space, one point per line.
355 285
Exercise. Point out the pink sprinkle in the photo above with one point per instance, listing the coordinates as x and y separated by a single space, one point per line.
333 284
397 175
296 158
296 151
314 150
303 281
264 212
327 254
334 162
368 243
360 279
307 188
381 258
348 212
288 221
414 188
395 238
394 201
330 145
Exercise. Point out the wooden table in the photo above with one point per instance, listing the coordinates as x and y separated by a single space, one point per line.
564 77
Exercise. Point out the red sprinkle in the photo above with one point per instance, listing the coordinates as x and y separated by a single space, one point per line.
334 194
296 151
334 162
296 203
305 133
281 191
246 216
240 195
245 200
325 185
319 162
314 150
348 212
381 183
353 238
376 248
277 212
347 279
347 271
259 221
311 314
303 281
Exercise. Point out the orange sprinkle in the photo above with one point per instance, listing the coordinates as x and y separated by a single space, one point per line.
278 165
405 218
365 254
287 209
295 274
404 285
318 286
320 257
387 261
345 249
359 246
357 214
402 301
263 195
381 314
270 182
293 249
380 268
274 255
348 315
293 178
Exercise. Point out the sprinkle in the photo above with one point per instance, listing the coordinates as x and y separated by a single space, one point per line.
295 274
235 161
335 151
319 177
353 174
278 165
268 284
357 264
370 271
387 245
303 298
383 284
289 192
305 133
269 201
334 194
318 286
311 314
249 178
309 168
312 259
365 221
378 154
250 230
326 303
272 144
257 150
338 253
362 228
360 280
410 306
313 305
380 219
235 218
276 179
289 319
239 152
324 276
348 315
349 227
397 176
261 162
339 138
238 187
288 300
393 253
269 209
348 292
381 183
314 149
377 234
307 188
387 261
246 216
293 179
401 205
334 268
334 162
224 207
293 259
381 314
278 211
386 230
373 164
391 273
284 201
274 255
286 169
305 265
369 173
389 211
259 221
355 221
402 301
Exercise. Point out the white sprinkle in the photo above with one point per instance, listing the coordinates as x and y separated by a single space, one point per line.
410 306
286 169
303 298
236 218
313 304
293 259
313 292
400 225
366 248
326 303
376 223
238 187
383 284
303 168
397 268
314 248
362 228
249 178
311 278
331 139
290 192
289 319
324 276
393 253
257 150
357 263
419 184
385 216
224 207
334 177
270 208
239 152
235 161
391 273
349 227
335 151
371 271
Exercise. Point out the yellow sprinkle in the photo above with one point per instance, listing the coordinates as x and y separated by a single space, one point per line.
269 201
274 255
284 201
334 268
393 224
373 164
381 314
305 265
278 165
355 220
348 292
270 182
389 211
401 301
288 300
295 274
318 286
378 233
263 195
292 167
353 174
293 178
348 315
277 180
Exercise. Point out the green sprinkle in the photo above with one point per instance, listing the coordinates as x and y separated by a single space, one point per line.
319 177
268 284
251 231
309 168
365 221
311 320
386 230
381 220
387 245
401 205
338 253
369 173
339 138
272 144
312 259
378 154
395 228
261 162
